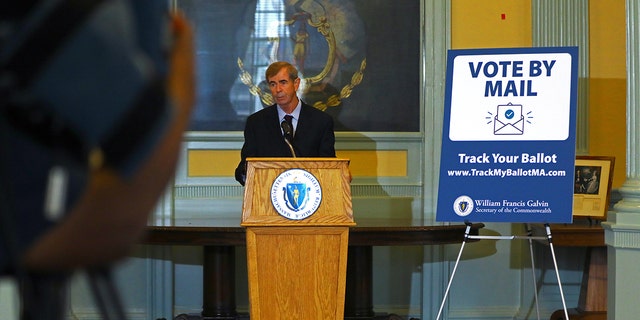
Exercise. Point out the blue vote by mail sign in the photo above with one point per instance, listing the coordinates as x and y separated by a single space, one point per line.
508 143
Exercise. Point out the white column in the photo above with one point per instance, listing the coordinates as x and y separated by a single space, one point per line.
622 230
436 35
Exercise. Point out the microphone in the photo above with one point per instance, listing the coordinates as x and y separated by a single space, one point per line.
288 133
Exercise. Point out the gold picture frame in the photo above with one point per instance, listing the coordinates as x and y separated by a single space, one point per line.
342 51
593 176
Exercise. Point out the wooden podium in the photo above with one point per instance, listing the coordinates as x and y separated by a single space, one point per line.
297 213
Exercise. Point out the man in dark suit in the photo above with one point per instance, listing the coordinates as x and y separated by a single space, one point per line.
263 135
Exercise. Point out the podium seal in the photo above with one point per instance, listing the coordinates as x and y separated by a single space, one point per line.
296 194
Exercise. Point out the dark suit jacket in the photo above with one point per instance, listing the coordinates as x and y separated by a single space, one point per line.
313 136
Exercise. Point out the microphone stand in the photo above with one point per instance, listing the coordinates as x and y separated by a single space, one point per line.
288 132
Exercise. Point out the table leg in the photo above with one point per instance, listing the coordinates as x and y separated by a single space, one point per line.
358 302
593 294
218 287
219 292
592 304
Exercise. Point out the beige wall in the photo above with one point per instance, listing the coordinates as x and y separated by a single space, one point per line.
490 23
607 84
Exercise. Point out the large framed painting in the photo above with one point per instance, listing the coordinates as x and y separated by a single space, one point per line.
591 192
359 60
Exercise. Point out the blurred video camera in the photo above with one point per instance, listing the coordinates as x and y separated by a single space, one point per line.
82 85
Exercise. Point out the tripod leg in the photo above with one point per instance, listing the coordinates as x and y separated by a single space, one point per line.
455 267
555 264
106 294
533 271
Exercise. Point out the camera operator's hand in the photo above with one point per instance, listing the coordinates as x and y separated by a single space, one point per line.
112 213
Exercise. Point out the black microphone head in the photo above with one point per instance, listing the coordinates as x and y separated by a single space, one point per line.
287 129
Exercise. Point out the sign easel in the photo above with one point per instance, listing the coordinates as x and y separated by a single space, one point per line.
529 237
508 143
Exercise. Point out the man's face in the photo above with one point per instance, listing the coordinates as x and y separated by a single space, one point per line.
284 89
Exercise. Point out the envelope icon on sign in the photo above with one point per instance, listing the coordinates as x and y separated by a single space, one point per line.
508 120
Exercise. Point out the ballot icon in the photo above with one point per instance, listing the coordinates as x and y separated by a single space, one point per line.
508 120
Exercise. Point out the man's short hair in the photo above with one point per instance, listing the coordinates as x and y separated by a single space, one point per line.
275 67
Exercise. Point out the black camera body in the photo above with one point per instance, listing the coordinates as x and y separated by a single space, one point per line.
82 84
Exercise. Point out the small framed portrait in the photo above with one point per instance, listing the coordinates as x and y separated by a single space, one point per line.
592 184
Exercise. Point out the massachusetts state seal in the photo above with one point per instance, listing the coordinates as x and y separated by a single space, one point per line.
296 194
463 206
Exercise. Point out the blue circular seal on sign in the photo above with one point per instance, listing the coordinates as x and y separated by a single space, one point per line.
463 206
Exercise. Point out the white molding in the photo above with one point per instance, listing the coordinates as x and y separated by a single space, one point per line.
566 23
95 314
436 40
9 304
159 271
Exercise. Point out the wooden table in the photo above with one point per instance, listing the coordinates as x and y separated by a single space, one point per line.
219 237
592 303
